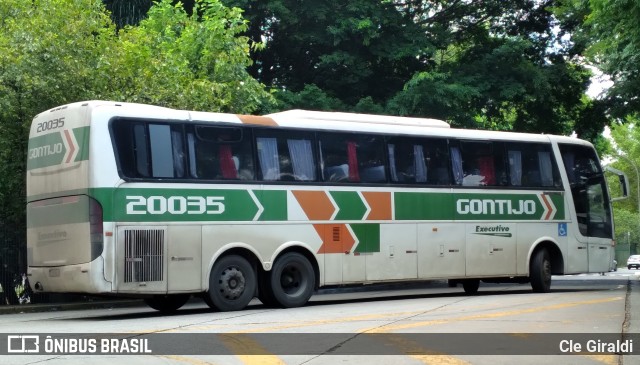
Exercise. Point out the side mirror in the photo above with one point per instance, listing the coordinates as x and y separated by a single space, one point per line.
624 183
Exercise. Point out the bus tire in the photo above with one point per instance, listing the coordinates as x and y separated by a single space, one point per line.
232 284
167 303
471 286
265 294
292 280
540 272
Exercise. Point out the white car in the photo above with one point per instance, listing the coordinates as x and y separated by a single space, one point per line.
633 262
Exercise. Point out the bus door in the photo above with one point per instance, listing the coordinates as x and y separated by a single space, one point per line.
591 204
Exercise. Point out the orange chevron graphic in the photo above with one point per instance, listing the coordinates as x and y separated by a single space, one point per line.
336 238
315 204
549 207
380 204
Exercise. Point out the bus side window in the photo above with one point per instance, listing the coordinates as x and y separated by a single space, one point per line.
531 165
167 153
146 150
371 163
336 162
285 155
222 153
418 161
352 158
140 152
483 163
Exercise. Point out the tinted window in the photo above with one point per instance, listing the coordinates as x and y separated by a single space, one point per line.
532 165
285 155
418 161
588 189
220 153
352 158
479 164
147 150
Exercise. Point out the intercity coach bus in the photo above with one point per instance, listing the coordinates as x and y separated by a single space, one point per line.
143 201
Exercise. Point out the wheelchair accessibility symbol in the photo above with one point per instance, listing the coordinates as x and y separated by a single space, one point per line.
562 229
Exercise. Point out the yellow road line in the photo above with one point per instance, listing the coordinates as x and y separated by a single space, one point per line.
417 352
389 328
189 360
605 359
426 357
241 345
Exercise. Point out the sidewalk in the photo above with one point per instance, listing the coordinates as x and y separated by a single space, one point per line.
633 297
101 303
53 307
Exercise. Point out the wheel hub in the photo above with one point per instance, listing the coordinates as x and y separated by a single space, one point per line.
232 283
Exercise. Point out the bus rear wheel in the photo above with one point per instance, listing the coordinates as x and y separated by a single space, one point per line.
265 294
167 303
540 272
292 280
471 286
232 284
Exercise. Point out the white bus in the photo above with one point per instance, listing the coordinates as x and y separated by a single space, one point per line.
142 201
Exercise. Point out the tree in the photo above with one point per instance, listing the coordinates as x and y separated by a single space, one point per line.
492 64
348 49
606 32
53 52
504 69
196 61
626 143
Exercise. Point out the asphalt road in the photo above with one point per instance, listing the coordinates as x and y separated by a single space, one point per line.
419 324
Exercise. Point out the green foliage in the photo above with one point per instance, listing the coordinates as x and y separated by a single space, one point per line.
493 64
48 53
625 154
193 62
310 97
349 49
627 231
606 32
53 52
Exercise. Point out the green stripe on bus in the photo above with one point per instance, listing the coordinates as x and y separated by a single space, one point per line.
478 206
82 137
46 150
184 205
51 149
274 203
349 204
423 206
220 205
368 235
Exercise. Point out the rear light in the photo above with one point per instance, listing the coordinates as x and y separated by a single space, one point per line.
95 228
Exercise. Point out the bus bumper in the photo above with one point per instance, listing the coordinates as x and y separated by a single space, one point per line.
85 278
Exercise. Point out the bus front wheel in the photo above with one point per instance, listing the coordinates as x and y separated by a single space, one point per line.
540 272
167 303
292 280
232 284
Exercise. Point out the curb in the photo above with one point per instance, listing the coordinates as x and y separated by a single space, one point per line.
34 308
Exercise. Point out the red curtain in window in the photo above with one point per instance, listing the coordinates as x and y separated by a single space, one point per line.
353 162
485 165
227 166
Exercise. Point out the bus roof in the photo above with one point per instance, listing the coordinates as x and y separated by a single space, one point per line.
301 116
305 119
